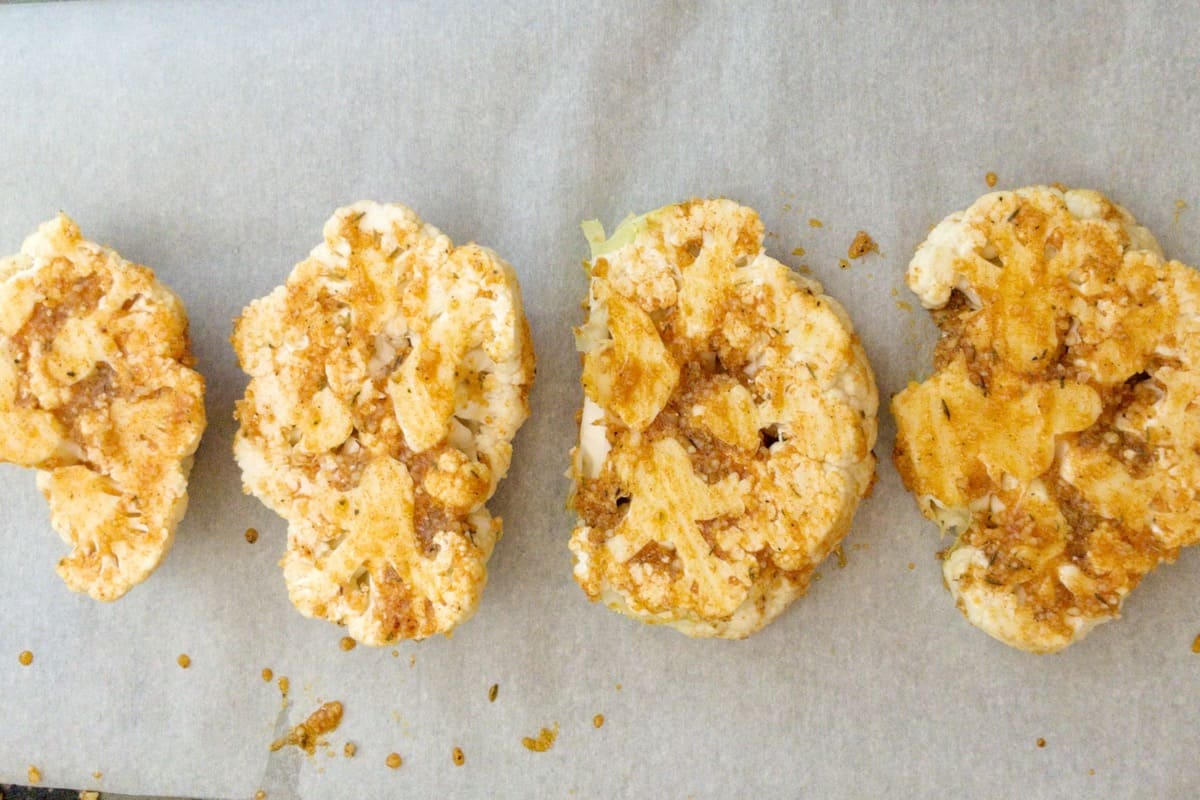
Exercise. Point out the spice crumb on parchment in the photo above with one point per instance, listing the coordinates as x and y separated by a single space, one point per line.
251 535
284 686
841 556
307 735
393 761
813 222
87 795
184 660
990 179
843 263
543 741
26 658
347 643
1196 644
798 252
1041 742
349 749
493 692
97 775
267 674
598 721
34 775
458 757
260 795
862 244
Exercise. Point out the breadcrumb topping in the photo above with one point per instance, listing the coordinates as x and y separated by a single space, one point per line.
1057 438
97 393
727 427
388 378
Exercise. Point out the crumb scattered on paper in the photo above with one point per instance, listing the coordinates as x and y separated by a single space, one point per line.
347 643
843 263
813 222
862 244
903 305
251 535
349 749
394 761
1196 644
1041 742
458 757
284 686
34 775
1180 207
798 252
86 795
841 556
267 674
307 735
26 658
990 179
911 565
260 795
544 740
184 660
598 721
493 692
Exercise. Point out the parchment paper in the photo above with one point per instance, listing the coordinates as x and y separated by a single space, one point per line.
211 141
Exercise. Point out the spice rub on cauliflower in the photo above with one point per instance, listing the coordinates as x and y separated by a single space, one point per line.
97 393
726 432
1059 436
388 377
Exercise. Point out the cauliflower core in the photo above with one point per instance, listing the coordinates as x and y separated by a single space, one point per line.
725 438
1059 437
97 394
388 377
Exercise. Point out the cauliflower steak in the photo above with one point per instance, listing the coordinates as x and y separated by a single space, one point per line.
97 394
726 432
388 377
1058 438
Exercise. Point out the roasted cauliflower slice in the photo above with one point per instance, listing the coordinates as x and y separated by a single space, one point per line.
727 428
388 377
1057 438
97 393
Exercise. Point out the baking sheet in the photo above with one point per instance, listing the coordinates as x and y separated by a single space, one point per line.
212 140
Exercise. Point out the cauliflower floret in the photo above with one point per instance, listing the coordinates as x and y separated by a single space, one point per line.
1057 438
97 394
388 377
727 426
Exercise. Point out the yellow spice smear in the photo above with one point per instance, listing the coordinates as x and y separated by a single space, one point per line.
307 734
543 741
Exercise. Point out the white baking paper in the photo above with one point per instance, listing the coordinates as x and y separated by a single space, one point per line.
211 141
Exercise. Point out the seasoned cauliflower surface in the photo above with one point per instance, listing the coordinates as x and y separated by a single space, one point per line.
97 393
1059 437
726 433
388 377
